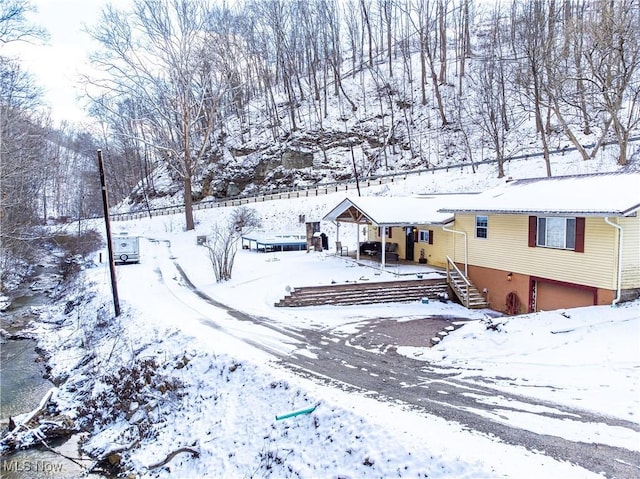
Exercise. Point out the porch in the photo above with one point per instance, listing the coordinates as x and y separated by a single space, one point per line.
397 267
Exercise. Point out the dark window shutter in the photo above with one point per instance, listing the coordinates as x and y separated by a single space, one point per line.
579 235
389 229
379 232
533 226
416 236
430 236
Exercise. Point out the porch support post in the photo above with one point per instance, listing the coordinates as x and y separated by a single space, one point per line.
358 241
383 230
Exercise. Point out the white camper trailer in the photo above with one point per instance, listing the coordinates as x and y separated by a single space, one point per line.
126 249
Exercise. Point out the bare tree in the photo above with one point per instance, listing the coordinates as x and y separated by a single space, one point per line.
155 54
463 39
365 10
222 243
14 25
531 43
575 29
612 53
490 105
429 49
355 34
22 139
442 38
387 14
565 98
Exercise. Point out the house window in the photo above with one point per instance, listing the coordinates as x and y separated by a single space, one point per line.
557 232
424 236
386 230
554 232
482 226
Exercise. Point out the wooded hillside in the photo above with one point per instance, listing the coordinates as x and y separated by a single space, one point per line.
201 99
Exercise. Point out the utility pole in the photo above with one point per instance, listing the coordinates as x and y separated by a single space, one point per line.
112 264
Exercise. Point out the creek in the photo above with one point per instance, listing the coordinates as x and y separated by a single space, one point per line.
22 387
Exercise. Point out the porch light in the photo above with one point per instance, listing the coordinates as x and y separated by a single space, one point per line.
509 276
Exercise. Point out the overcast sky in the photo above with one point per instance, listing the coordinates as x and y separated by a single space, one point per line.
57 64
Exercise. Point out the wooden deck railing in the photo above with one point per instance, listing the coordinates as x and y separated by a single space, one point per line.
461 291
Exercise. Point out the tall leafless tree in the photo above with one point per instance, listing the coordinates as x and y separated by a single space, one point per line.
155 54
531 43
612 53
22 141
490 106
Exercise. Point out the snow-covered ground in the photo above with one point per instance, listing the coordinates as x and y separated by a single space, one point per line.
208 387
231 391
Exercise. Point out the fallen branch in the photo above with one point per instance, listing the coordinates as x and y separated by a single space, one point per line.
37 412
6 335
75 461
110 459
174 454
33 428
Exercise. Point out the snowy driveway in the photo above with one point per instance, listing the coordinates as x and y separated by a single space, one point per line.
347 360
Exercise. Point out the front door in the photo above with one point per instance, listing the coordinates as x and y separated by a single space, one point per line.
409 243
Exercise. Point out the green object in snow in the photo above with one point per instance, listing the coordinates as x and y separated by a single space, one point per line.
308 410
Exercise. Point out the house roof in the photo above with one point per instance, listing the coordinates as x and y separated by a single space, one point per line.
602 194
395 211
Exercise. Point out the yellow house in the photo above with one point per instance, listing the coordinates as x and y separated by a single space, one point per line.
422 243
550 243
399 228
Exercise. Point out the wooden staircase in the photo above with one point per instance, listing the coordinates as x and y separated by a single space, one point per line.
466 292
365 293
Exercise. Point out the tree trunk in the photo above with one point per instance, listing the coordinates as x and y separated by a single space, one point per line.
365 16
442 27
423 68
188 205
436 86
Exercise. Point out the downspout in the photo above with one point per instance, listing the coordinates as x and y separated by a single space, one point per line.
619 280
444 228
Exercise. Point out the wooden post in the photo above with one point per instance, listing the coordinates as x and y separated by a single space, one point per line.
112 264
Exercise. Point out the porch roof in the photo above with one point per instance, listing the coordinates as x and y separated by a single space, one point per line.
600 194
394 211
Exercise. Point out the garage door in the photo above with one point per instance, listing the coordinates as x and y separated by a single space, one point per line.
550 296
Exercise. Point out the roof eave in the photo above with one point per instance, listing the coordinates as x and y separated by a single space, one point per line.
542 212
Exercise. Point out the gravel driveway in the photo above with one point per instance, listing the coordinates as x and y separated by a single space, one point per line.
366 361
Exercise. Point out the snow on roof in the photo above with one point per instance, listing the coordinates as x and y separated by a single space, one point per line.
409 210
603 194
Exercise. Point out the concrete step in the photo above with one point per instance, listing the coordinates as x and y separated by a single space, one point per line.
363 297
349 300
365 293
368 291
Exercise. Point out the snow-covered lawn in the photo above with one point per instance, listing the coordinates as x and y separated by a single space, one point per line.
215 393
203 385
